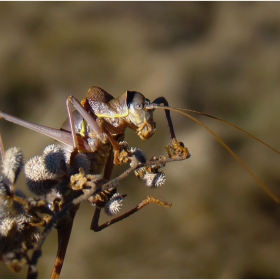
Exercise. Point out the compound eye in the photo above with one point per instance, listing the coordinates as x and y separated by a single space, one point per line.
138 106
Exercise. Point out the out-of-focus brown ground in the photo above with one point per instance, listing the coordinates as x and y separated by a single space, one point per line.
219 58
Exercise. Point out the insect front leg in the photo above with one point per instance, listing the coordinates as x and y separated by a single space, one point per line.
177 149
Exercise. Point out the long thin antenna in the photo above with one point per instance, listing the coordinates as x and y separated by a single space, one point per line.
179 110
230 124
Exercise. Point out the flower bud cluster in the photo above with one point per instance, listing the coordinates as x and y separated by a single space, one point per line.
152 176
61 181
47 176
17 235
50 173
114 205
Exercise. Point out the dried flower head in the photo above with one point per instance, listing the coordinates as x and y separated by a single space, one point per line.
6 224
12 165
16 237
3 188
114 205
153 177
39 180
155 180
139 154
54 160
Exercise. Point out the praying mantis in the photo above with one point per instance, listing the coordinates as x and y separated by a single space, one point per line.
97 128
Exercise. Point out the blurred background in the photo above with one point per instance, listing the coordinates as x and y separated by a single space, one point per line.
219 58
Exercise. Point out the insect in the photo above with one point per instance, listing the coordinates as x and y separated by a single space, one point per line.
97 127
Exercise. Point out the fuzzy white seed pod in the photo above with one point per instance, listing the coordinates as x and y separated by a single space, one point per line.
54 160
3 188
114 205
139 154
6 224
154 180
39 180
12 164
16 235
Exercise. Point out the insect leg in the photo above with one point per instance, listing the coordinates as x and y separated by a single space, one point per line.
107 175
109 166
149 199
63 233
95 218
92 123
178 148
162 100
100 132
72 125
59 135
